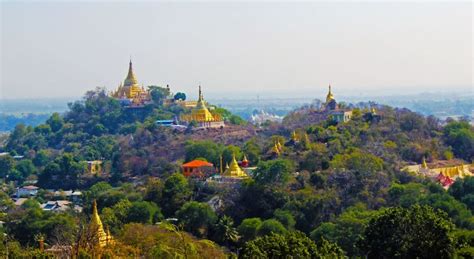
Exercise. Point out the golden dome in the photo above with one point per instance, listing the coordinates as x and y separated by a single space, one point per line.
330 96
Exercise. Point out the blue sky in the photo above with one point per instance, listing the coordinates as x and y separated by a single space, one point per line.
62 49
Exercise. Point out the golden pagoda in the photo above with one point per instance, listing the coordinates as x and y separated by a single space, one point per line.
130 89
96 229
294 136
423 164
275 149
306 138
202 115
234 170
330 96
279 146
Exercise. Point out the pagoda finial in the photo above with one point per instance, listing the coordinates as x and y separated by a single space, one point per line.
94 208
330 96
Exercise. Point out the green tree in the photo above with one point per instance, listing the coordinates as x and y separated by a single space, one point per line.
144 212
230 151
6 202
176 192
42 157
206 149
285 217
289 245
252 150
180 96
158 94
463 190
154 190
26 168
358 161
248 229
460 136
271 226
347 229
416 232
274 172
7 163
197 218
55 122
224 231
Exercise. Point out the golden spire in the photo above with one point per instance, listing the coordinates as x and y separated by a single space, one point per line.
234 169
275 149
200 113
330 96
279 146
294 137
423 164
96 228
131 79
306 138
200 103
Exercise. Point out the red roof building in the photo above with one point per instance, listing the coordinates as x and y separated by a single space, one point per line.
198 168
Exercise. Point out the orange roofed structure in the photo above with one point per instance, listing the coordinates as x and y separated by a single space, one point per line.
198 168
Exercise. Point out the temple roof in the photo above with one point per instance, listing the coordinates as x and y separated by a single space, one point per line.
197 163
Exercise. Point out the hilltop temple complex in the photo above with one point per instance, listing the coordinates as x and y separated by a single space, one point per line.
332 109
201 115
129 92
445 172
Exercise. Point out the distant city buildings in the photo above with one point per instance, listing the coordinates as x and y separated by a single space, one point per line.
263 117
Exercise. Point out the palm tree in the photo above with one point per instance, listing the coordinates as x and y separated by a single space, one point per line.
225 232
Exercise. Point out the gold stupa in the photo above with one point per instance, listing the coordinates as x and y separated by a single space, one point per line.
201 114
234 170
96 229
330 96
130 88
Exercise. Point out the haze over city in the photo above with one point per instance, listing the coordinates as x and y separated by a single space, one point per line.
235 49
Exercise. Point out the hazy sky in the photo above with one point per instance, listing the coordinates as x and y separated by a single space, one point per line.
58 49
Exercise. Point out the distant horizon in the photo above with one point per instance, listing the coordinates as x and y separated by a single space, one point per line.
461 93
